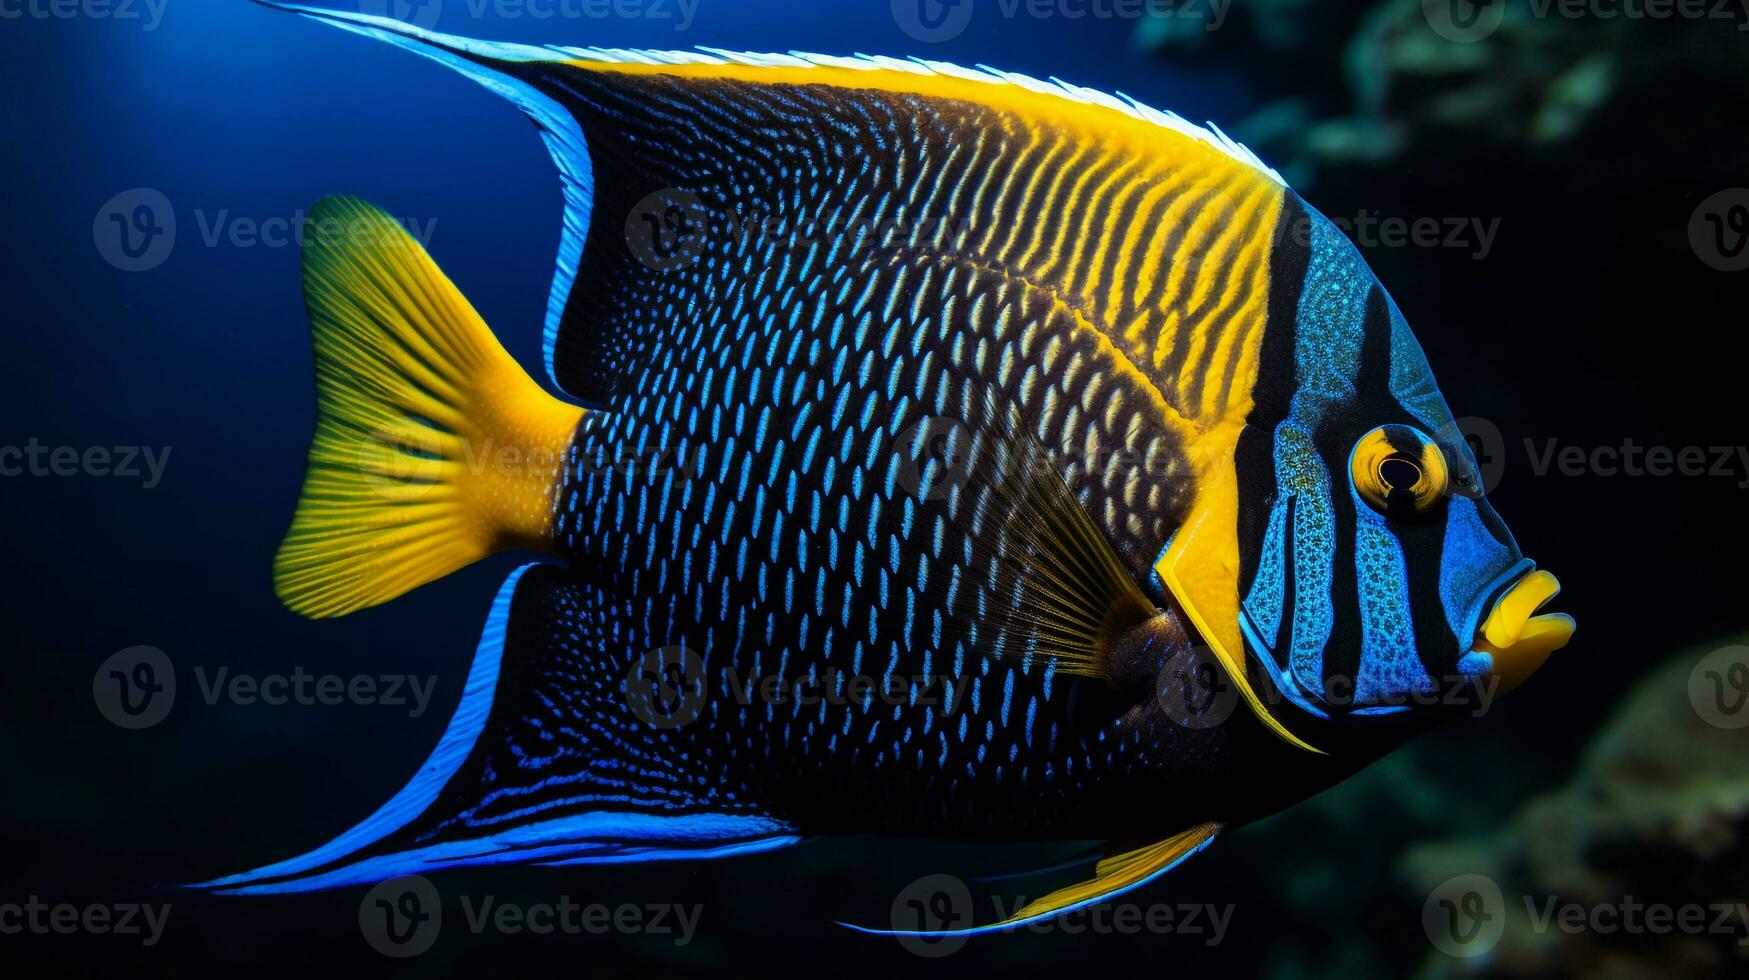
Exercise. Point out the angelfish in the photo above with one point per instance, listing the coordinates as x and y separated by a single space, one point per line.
1047 419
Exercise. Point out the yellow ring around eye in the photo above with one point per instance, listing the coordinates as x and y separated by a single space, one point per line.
1397 469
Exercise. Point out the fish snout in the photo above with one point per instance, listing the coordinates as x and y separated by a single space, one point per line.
1518 635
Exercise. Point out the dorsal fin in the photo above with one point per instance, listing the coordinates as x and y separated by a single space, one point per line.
588 358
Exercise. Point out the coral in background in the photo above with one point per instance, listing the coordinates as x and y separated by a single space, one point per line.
1531 80
1657 812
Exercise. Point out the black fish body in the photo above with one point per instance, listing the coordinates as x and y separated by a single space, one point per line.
952 454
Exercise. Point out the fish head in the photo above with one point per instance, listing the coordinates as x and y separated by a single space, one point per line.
1349 566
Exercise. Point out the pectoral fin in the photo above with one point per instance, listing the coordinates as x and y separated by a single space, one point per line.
1058 591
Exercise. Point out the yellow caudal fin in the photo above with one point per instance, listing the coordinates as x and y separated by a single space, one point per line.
433 448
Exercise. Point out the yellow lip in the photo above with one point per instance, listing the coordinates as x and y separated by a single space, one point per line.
1516 637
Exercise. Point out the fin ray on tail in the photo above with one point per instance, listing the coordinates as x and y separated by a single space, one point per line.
432 450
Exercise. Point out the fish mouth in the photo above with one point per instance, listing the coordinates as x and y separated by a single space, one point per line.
1517 635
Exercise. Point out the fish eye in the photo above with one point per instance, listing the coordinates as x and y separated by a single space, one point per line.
1399 471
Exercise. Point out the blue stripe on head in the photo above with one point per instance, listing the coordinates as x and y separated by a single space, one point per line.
1315 547
1263 604
1389 666
1356 605
1327 356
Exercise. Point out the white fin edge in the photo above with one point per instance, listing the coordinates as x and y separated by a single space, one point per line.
1211 135
569 148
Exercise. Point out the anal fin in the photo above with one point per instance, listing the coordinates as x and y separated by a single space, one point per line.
545 761
1112 877
1117 874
